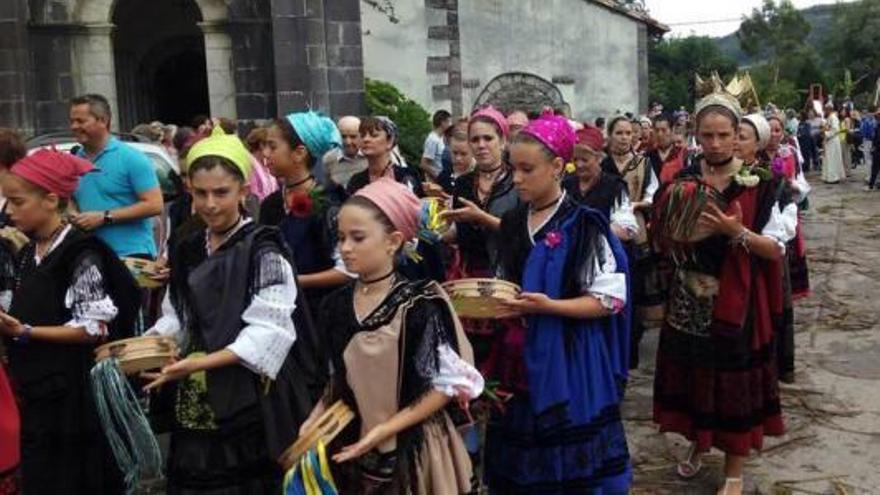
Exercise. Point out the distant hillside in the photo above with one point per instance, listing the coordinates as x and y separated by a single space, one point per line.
820 18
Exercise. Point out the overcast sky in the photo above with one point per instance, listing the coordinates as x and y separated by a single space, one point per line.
709 17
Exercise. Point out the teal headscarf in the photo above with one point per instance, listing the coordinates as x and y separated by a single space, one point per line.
318 133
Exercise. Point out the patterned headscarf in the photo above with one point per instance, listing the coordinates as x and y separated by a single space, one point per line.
389 127
556 134
318 133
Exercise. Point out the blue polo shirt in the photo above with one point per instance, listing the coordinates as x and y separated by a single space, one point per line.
122 173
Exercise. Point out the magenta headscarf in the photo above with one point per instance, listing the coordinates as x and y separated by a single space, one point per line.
491 113
397 202
556 134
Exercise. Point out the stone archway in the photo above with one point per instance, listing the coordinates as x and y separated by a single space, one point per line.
95 64
159 55
520 91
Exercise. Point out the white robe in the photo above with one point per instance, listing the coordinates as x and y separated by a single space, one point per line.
832 168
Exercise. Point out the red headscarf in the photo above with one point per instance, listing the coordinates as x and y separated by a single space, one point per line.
54 171
591 137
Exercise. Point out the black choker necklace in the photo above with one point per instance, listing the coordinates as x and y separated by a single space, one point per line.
718 164
365 284
547 206
491 170
229 229
383 277
297 184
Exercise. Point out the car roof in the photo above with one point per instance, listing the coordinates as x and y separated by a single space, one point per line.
148 148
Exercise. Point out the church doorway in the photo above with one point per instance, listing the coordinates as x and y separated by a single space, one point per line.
159 54
520 91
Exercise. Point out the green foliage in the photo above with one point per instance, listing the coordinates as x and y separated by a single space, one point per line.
413 121
852 46
673 63
774 30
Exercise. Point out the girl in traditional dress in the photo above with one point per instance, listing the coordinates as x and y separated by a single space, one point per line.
303 209
399 357
378 139
783 160
561 432
249 375
725 228
71 292
635 169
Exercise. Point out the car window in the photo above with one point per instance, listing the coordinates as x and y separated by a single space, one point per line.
168 182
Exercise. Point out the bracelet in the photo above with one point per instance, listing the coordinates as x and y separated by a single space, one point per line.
25 335
742 239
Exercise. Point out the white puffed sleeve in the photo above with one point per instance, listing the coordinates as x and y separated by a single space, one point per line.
456 377
268 334
168 325
652 187
782 226
622 214
608 286
90 306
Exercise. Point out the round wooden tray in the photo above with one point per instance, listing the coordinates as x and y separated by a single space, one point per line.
330 424
139 353
479 298
141 270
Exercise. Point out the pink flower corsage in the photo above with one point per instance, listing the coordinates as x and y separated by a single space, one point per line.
553 239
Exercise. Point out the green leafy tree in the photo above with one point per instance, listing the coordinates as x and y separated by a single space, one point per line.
413 121
673 63
774 33
852 46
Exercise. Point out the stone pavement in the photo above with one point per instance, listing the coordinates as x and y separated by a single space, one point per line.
832 412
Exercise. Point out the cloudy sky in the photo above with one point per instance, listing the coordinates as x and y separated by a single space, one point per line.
709 17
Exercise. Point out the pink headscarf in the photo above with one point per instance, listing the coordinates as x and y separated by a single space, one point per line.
397 202
54 171
517 118
556 134
495 116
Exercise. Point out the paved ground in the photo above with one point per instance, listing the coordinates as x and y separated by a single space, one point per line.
833 411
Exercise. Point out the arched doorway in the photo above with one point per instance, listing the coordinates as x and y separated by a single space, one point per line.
520 91
159 53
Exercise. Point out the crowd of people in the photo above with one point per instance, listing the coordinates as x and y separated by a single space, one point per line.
302 266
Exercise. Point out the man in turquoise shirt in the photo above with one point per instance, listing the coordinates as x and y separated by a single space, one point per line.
118 199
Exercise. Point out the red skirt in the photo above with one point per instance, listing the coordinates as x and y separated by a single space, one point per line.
10 441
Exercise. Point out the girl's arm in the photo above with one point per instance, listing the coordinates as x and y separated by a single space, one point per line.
406 418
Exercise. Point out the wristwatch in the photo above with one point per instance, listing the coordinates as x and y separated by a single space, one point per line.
108 217
25 336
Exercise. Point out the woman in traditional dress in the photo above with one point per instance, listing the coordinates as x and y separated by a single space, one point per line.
249 374
561 432
71 293
783 160
726 230
304 210
635 169
593 187
399 357
378 139
833 170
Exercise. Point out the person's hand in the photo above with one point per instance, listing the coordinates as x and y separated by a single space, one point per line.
10 326
718 221
373 438
470 213
640 205
527 303
162 272
434 190
172 372
90 220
